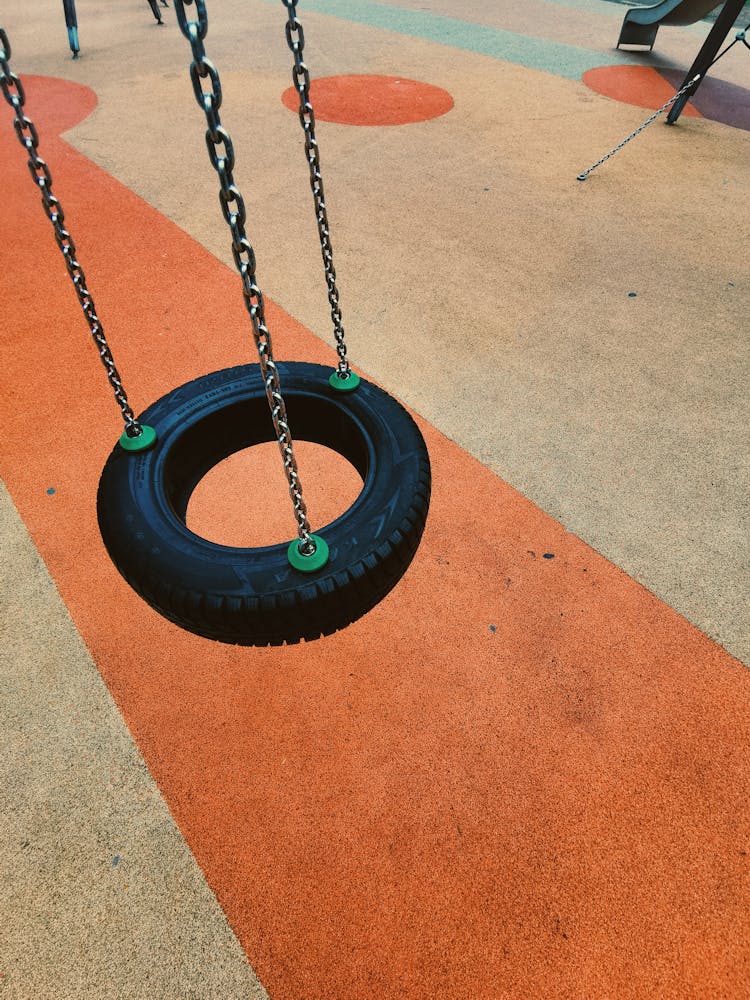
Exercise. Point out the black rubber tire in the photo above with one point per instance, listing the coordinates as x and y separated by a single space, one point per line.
252 596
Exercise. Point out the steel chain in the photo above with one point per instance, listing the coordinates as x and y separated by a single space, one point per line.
654 116
221 155
301 80
15 95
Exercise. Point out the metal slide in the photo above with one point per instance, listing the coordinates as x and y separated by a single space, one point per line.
642 23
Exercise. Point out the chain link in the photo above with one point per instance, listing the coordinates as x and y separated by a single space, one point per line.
15 95
204 74
301 80
654 116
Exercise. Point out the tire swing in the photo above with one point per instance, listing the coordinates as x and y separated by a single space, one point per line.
318 583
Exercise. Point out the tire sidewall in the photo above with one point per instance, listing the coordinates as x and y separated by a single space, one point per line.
159 555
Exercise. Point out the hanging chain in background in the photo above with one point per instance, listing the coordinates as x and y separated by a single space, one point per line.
301 79
221 155
654 116
741 36
14 94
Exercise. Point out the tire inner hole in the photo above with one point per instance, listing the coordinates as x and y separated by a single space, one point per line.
244 501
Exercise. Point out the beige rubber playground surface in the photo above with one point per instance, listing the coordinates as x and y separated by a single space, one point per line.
525 773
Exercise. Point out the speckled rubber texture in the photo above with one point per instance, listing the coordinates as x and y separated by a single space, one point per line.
253 596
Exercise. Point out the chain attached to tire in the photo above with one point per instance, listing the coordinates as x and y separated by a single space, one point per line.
654 116
14 94
221 155
301 80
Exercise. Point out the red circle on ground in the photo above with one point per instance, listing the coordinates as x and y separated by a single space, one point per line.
373 100
642 86
649 87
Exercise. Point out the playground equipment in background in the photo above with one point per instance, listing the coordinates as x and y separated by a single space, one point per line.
707 55
154 5
318 583
640 25
705 59
71 23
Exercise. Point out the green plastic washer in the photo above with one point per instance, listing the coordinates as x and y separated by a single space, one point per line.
348 384
145 440
312 563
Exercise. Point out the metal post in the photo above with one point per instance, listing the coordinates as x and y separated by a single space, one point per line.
71 22
703 61
155 11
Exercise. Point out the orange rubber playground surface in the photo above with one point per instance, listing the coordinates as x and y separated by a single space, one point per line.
525 773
